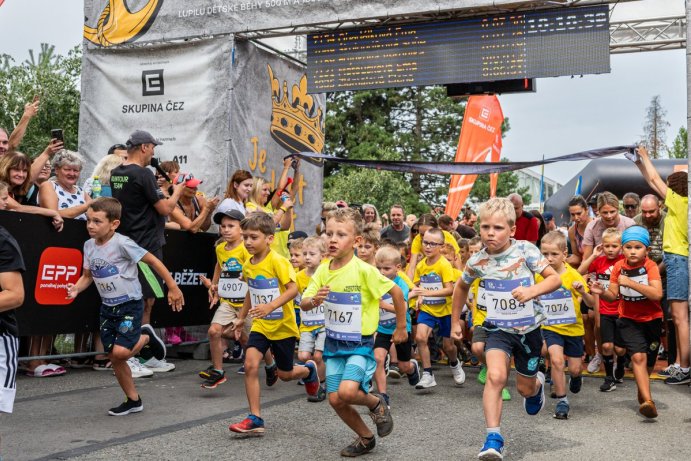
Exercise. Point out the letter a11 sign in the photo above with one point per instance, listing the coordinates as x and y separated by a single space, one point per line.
56 268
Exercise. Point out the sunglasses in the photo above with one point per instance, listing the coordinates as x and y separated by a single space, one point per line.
630 207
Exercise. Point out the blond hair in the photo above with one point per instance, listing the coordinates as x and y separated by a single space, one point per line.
105 166
499 205
387 254
348 215
555 237
370 234
296 244
611 233
316 243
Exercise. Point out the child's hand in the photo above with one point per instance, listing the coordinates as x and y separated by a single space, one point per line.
598 251
386 306
234 326
72 291
260 311
321 295
624 281
400 335
456 331
578 286
175 298
595 287
205 281
417 291
522 294
213 299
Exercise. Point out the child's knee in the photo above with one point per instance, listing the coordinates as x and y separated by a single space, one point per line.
335 401
215 331
421 337
607 349
526 386
496 377
303 356
556 362
478 349
348 394
119 354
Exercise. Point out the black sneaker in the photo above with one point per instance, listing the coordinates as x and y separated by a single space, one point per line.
360 446
204 374
127 407
414 377
382 417
679 377
215 378
609 385
575 384
619 372
155 347
236 354
271 375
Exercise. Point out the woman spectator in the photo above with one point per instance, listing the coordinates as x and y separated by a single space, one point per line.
193 211
102 172
62 193
281 212
578 210
238 192
43 176
542 229
370 215
14 170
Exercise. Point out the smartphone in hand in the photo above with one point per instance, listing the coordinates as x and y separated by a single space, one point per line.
57 134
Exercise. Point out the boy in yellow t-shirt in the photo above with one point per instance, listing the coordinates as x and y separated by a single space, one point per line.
434 280
228 287
350 290
269 302
563 330
312 331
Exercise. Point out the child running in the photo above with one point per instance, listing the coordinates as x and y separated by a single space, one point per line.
507 268
312 331
434 280
350 290
228 287
600 265
563 330
110 259
388 261
636 282
269 302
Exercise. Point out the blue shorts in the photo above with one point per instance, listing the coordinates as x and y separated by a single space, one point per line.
677 267
525 349
121 324
572 345
431 321
356 368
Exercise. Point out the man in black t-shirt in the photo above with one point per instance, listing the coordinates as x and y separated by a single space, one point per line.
11 297
144 209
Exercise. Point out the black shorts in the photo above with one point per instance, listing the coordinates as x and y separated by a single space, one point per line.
638 337
572 345
121 324
152 278
403 350
608 327
413 315
525 349
479 334
282 349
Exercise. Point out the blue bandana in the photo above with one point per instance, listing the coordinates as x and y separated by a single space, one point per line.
637 234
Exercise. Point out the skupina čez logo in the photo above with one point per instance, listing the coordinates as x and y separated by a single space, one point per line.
118 25
297 124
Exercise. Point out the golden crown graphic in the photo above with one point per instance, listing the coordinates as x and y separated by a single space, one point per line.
118 25
294 124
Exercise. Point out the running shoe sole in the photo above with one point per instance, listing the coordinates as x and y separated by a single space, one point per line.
152 337
125 413
490 455
215 384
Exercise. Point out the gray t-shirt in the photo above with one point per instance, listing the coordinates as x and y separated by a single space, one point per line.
114 268
656 232
395 236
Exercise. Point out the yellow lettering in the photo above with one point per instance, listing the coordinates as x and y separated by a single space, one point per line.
262 161
254 161
301 185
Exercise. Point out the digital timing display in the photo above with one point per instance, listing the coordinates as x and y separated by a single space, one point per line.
549 43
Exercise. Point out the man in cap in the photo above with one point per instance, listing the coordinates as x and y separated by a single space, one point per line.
144 209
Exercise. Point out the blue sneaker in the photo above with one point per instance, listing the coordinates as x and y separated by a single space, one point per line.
493 449
575 384
562 410
414 378
534 404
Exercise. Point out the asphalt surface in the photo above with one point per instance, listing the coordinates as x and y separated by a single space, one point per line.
66 418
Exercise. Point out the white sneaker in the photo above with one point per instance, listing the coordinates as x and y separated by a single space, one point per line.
427 381
595 362
138 371
458 374
158 366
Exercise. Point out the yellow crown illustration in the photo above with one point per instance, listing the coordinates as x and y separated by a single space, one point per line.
294 124
118 25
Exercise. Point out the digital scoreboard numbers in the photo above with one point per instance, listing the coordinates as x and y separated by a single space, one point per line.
549 43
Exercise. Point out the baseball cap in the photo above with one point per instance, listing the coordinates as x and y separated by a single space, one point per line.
189 180
232 214
297 235
547 216
140 137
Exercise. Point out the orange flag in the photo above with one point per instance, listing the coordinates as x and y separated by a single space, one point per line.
480 137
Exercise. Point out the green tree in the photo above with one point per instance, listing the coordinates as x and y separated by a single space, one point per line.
55 80
507 183
680 145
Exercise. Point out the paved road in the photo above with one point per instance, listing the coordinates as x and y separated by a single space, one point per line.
66 418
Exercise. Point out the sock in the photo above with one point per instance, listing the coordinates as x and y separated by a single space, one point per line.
685 370
429 370
269 367
453 364
609 365
220 371
493 430
563 398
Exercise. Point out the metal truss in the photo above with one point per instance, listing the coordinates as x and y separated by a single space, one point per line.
654 34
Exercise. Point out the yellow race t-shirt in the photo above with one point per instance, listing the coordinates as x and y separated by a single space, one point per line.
231 289
314 317
355 278
266 281
280 243
478 302
411 302
675 238
433 277
563 306
416 246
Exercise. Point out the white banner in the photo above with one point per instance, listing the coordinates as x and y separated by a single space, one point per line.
179 93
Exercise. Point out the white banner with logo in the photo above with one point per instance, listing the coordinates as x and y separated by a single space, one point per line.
179 93
272 116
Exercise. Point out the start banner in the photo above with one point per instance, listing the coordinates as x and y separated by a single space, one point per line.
179 93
